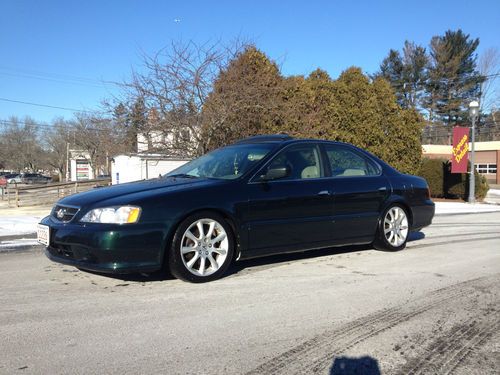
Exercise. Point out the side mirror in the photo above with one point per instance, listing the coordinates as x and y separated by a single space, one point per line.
275 174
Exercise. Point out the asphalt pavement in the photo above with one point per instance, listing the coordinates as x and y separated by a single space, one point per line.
431 308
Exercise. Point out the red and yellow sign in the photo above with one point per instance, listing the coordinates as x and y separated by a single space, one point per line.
460 150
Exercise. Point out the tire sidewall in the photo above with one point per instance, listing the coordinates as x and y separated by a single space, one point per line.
381 242
175 262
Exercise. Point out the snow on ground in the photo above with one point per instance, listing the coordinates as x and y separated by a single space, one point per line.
494 192
16 225
446 208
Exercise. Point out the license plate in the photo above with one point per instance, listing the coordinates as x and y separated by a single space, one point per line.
43 234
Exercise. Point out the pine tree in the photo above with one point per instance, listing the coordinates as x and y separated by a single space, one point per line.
406 74
453 77
245 100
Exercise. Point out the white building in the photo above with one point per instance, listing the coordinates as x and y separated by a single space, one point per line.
135 167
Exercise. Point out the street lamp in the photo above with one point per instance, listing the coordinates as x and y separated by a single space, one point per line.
473 113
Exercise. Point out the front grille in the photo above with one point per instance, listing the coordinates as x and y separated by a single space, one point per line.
64 213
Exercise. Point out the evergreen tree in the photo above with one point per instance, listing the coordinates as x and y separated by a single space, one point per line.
406 74
245 100
453 78
251 97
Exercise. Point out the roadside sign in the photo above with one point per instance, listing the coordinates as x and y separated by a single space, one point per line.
460 150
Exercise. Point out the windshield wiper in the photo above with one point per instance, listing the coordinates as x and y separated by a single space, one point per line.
182 175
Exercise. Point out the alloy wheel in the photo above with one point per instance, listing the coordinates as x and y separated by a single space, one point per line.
396 226
204 247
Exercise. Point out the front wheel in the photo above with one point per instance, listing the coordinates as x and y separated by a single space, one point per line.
393 229
202 248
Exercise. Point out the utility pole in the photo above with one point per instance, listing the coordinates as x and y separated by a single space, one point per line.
67 161
473 112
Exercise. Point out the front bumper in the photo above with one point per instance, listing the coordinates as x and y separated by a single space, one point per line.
107 248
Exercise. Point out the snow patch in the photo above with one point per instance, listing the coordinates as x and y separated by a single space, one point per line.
443 208
15 225
493 192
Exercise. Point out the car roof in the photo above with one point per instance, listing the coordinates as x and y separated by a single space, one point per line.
284 138
273 138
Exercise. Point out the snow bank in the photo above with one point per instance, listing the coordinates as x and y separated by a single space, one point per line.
16 225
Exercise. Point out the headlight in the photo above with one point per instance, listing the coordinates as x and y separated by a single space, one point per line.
113 215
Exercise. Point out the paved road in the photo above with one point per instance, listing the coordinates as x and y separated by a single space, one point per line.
432 308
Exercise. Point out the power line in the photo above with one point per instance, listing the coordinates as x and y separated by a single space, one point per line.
53 80
60 77
6 123
45 105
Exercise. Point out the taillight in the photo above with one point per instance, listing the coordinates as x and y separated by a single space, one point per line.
428 192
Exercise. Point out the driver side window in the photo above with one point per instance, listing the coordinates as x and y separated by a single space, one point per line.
301 161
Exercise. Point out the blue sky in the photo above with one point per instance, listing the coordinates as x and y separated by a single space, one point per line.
47 47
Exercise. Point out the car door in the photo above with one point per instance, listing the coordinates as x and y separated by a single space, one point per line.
293 212
359 189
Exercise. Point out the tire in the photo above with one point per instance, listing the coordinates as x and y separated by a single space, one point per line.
202 248
393 229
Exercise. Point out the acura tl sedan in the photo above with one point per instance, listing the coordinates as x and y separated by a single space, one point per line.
260 196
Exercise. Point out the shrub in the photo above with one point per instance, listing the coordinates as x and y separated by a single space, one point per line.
457 184
433 171
443 183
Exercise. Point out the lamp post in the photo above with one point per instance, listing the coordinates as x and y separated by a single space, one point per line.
473 113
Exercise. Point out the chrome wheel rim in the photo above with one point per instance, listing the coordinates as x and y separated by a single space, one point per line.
204 247
396 226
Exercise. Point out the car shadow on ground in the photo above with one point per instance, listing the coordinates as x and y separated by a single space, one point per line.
351 366
249 265
415 236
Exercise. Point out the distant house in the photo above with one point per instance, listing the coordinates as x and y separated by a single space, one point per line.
135 167
146 163
181 143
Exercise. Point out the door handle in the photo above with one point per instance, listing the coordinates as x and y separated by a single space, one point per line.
383 188
324 193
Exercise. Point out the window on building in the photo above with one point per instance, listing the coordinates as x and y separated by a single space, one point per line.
486 168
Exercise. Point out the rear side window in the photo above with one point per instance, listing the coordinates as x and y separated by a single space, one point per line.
303 162
347 163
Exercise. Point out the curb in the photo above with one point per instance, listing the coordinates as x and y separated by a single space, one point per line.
5 248
27 236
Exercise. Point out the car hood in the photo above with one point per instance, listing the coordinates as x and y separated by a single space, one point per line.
155 186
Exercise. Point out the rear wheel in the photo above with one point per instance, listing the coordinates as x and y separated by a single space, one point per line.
202 248
393 229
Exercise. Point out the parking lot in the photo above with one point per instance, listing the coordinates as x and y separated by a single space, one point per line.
432 308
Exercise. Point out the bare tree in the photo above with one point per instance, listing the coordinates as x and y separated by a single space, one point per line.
174 85
20 148
57 139
489 66
99 137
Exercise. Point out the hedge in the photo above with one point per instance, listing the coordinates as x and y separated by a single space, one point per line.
445 184
433 171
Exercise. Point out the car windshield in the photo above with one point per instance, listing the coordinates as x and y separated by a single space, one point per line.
226 163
